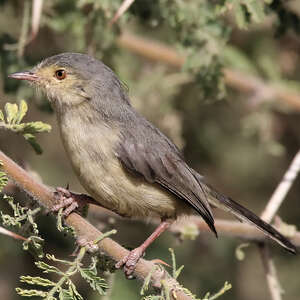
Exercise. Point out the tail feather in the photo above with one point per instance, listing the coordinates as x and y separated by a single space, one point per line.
243 213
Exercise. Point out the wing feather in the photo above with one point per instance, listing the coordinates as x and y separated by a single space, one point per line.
157 162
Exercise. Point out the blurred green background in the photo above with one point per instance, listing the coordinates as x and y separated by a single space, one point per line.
241 139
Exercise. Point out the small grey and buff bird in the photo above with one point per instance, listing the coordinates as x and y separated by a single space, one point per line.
123 161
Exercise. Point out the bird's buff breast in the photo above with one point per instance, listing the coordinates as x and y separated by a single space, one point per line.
91 150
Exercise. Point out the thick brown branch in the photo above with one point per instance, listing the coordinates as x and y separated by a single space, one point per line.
235 79
84 230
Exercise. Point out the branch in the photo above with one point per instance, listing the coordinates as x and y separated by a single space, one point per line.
233 229
24 29
124 6
270 271
268 214
282 189
84 230
156 51
11 234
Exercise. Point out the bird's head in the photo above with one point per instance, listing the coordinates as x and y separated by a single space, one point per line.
70 79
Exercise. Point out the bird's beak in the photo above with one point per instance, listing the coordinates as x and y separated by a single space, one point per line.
26 75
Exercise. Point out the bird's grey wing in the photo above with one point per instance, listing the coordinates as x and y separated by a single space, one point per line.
157 160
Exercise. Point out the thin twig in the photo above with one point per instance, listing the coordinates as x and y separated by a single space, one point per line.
24 29
12 234
268 214
282 189
271 273
37 6
123 7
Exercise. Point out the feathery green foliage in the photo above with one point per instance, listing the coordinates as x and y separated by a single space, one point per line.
20 215
165 292
12 119
23 218
3 179
64 288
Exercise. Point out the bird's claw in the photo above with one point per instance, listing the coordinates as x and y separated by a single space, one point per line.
82 242
67 200
129 262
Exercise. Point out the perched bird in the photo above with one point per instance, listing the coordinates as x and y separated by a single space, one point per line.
123 161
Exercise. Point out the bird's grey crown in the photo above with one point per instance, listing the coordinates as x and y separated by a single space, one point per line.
85 65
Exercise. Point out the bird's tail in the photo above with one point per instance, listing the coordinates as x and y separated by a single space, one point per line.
242 213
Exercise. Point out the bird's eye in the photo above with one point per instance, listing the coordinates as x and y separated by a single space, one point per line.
60 74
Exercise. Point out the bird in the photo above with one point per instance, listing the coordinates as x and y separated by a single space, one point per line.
123 161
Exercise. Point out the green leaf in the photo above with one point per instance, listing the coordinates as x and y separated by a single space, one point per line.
256 9
65 295
11 110
31 293
47 268
34 127
73 292
189 231
237 59
147 280
14 116
37 281
239 252
19 213
97 283
175 272
227 286
53 258
23 108
240 15
178 271
31 139
34 245
61 227
3 179
1 115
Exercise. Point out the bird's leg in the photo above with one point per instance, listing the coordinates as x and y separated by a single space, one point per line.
129 262
70 201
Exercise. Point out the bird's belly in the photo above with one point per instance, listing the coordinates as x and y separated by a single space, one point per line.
127 194
102 175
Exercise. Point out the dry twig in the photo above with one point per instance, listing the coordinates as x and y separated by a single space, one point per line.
271 273
11 234
282 189
24 29
124 6
37 7
267 215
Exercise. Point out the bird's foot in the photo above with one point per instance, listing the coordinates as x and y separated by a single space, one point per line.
129 261
82 242
69 201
